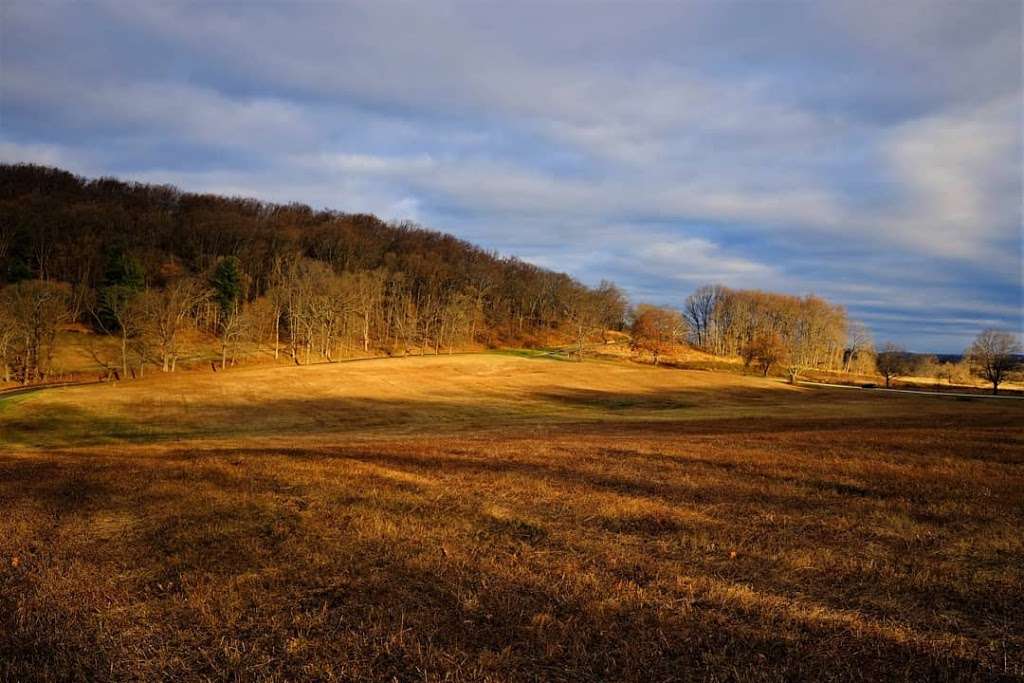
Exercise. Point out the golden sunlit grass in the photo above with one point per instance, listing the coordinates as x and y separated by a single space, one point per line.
497 517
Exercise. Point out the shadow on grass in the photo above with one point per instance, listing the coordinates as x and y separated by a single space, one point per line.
221 574
65 424
692 412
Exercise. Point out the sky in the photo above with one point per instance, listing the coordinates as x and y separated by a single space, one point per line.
868 152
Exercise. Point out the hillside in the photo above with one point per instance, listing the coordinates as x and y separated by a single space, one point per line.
506 517
322 280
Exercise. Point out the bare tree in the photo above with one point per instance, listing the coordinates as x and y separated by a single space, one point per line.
894 361
859 347
612 305
8 331
168 312
583 316
459 316
699 310
993 356
37 309
234 324
812 332
279 290
309 305
725 322
368 292
120 311
261 319
479 289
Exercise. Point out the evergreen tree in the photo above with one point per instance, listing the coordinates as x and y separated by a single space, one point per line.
123 278
227 285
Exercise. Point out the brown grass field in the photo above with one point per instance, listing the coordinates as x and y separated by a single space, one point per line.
499 517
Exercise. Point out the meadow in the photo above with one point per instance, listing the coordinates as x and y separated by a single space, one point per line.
504 517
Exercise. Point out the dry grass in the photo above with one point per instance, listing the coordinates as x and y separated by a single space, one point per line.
502 518
935 383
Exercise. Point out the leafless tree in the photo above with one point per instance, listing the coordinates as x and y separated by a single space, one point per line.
993 356
459 316
367 293
169 311
8 331
37 309
232 329
261 320
310 304
123 315
726 322
699 310
894 361
613 303
584 317
859 347
812 332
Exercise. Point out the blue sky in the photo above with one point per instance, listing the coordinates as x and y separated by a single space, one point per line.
869 152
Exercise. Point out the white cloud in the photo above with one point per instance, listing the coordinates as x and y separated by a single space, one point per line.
175 111
366 164
696 259
960 179
41 153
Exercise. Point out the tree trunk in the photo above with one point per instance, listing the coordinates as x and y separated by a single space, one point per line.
223 355
124 353
277 334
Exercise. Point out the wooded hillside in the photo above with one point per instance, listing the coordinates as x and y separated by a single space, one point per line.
138 260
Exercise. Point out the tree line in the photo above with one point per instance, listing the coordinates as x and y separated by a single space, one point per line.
148 264
769 329
766 329
801 334
994 357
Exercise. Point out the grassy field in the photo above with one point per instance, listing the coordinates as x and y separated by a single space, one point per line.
501 517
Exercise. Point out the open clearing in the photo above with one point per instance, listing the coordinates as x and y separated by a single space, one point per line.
500 517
